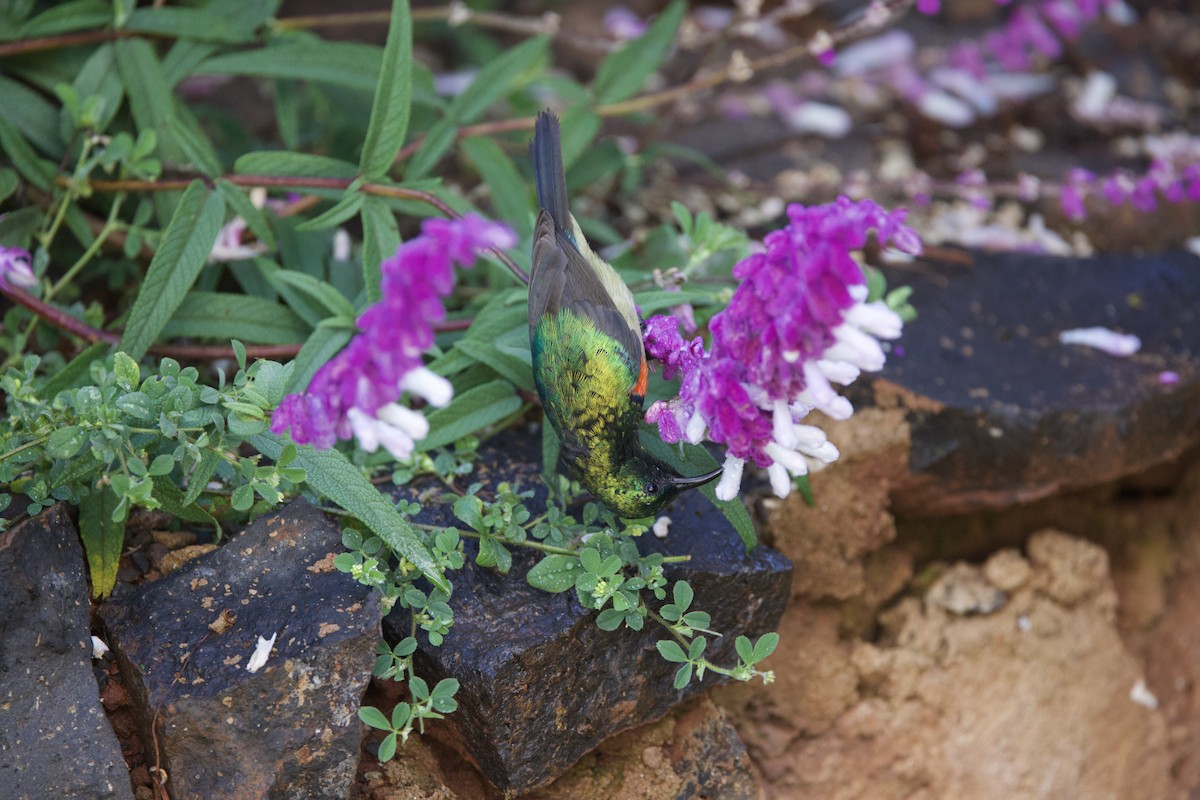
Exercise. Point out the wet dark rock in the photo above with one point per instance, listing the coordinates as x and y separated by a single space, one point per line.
541 685
1003 413
54 738
289 730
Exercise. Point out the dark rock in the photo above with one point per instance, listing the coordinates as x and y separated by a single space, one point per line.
289 730
1003 413
54 738
541 685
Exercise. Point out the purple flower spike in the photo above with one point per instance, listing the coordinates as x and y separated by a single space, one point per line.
355 393
796 324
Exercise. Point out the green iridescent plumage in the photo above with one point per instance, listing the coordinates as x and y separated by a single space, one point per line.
588 360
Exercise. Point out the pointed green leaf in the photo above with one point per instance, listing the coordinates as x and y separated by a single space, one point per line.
381 239
341 211
32 167
332 474
496 78
389 111
437 141
624 72
510 192
102 539
285 162
239 200
469 413
225 316
354 66
184 250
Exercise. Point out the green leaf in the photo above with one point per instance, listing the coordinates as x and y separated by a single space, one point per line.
681 593
437 141
683 677
8 182
496 78
332 474
354 66
470 412
381 239
469 510
185 247
317 291
387 748
239 200
624 72
222 316
590 559
745 650
510 195
102 539
242 498
99 77
374 718
76 15
554 573
765 645
76 371
65 442
341 211
31 166
393 94
551 447
579 128
517 369
671 651
31 113
302 165
200 476
150 98
196 147
127 372
190 23
175 502
610 619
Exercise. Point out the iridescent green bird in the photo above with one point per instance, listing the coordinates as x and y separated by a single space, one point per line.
588 359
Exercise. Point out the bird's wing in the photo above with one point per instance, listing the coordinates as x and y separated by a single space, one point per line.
563 279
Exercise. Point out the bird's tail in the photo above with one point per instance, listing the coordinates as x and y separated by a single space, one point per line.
548 175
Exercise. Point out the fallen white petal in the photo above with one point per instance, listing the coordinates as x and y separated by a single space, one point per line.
262 651
661 526
1142 695
1103 339
947 109
99 648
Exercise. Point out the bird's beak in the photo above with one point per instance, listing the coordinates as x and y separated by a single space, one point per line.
690 483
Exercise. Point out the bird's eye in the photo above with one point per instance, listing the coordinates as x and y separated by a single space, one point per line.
651 488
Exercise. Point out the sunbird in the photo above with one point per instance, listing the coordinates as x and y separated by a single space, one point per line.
589 362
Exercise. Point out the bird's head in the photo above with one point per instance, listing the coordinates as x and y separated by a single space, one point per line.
644 485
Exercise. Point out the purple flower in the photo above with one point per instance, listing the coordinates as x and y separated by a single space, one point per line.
15 267
929 7
355 392
797 323
621 23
